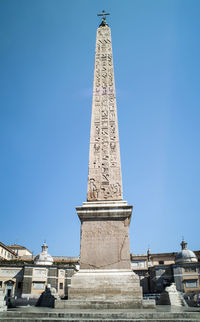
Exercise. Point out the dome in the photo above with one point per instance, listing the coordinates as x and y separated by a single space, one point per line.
185 255
43 258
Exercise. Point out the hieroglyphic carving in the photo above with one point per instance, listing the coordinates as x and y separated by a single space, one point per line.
104 178
92 191
96 147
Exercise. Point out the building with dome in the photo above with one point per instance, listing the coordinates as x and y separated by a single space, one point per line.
186 270
185 255
183 270
43 258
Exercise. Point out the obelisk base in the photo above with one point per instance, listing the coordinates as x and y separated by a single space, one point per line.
112 288
105 279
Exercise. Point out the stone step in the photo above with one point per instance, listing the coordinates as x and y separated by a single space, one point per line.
100 316
105 316
47 319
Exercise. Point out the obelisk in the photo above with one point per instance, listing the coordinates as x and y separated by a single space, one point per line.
105 274
104 179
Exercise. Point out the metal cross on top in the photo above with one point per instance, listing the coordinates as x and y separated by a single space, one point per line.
103 14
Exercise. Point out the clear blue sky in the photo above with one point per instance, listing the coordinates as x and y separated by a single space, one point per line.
46 75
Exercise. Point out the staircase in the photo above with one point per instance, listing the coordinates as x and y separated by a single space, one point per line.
176 299
172 297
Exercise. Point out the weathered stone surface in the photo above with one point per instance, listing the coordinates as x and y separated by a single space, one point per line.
105 245
105 272
72 311
105 235
106 285
104 178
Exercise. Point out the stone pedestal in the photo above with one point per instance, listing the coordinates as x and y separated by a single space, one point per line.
105 274
108 288
104 235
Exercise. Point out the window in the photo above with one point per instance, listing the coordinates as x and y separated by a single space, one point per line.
138 263
19 285
161 262
61 273
1 283
38 285
191 283
61 286
1 250
190 269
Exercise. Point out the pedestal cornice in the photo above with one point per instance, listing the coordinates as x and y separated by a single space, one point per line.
117 210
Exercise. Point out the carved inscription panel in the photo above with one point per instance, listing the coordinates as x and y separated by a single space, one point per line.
104 244
104 178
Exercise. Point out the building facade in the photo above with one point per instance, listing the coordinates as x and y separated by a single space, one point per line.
28 279
20 251
156 271
6 252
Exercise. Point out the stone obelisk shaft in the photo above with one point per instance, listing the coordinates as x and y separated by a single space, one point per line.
105 278
104 177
